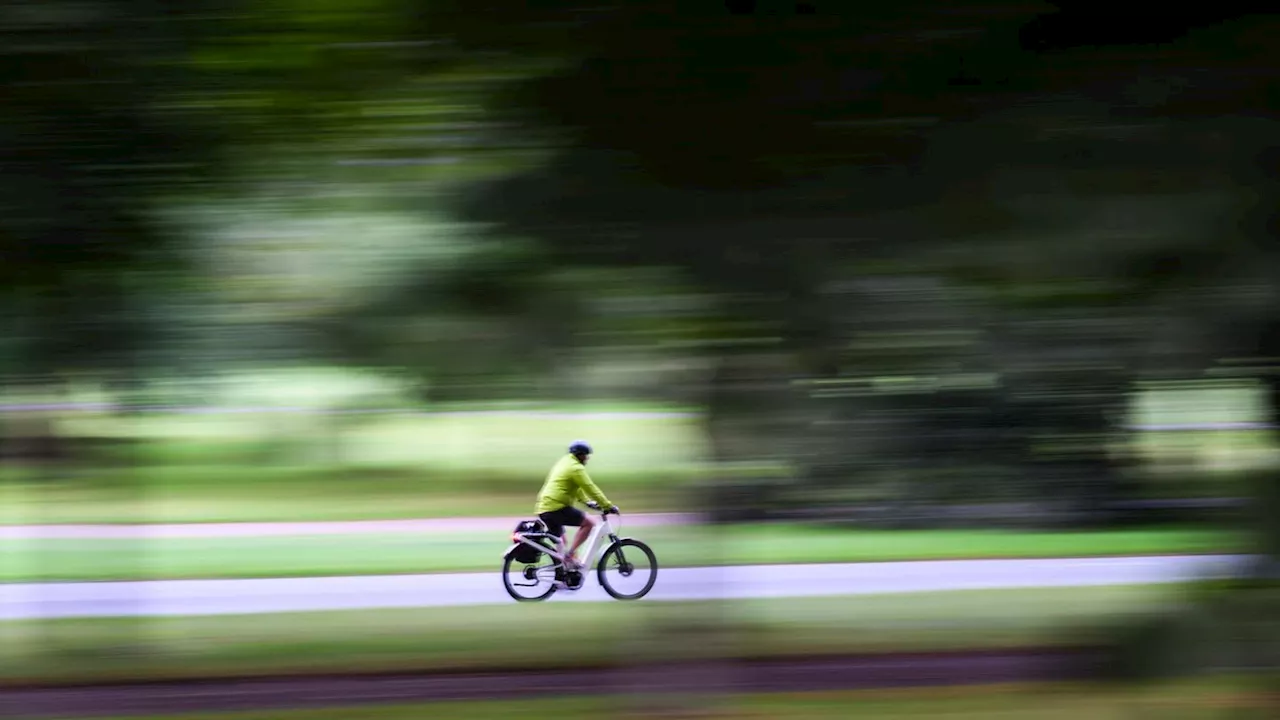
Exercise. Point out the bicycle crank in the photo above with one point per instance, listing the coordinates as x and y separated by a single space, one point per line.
573 580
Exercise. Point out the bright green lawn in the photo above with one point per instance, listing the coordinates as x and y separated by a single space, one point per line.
517 443
257 467
285 497
281 466
68 559
499 442
1185 700
516 634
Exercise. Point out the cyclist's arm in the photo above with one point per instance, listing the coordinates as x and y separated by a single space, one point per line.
587 490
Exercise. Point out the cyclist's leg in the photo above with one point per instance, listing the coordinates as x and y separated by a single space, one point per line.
556 521
555 526
585 524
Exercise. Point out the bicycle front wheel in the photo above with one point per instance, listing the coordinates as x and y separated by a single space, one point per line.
627 570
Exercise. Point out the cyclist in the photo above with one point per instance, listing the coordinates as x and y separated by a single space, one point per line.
566 484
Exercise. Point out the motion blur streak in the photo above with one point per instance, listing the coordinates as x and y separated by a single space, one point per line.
313 294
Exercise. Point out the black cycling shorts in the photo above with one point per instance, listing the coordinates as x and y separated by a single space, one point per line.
556 520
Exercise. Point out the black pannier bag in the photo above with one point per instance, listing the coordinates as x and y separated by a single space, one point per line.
526 554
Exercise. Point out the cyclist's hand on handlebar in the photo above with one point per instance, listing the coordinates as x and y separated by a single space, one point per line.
593 504
613 510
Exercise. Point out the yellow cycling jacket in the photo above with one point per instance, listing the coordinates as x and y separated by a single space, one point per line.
566 484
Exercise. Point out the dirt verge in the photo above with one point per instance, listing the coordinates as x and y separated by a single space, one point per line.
754 675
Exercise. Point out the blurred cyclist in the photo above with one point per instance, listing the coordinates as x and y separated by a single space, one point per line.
566 484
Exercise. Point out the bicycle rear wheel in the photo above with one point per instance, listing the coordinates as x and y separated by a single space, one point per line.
625 564
529 582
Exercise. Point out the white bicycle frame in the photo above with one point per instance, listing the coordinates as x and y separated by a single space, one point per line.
592 544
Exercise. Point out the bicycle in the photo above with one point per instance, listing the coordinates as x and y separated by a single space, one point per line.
530 547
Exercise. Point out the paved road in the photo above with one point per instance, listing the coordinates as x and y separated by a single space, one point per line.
233 597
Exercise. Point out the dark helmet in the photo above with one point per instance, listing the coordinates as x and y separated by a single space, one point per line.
579 447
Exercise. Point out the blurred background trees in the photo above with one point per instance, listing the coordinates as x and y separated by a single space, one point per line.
903 256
